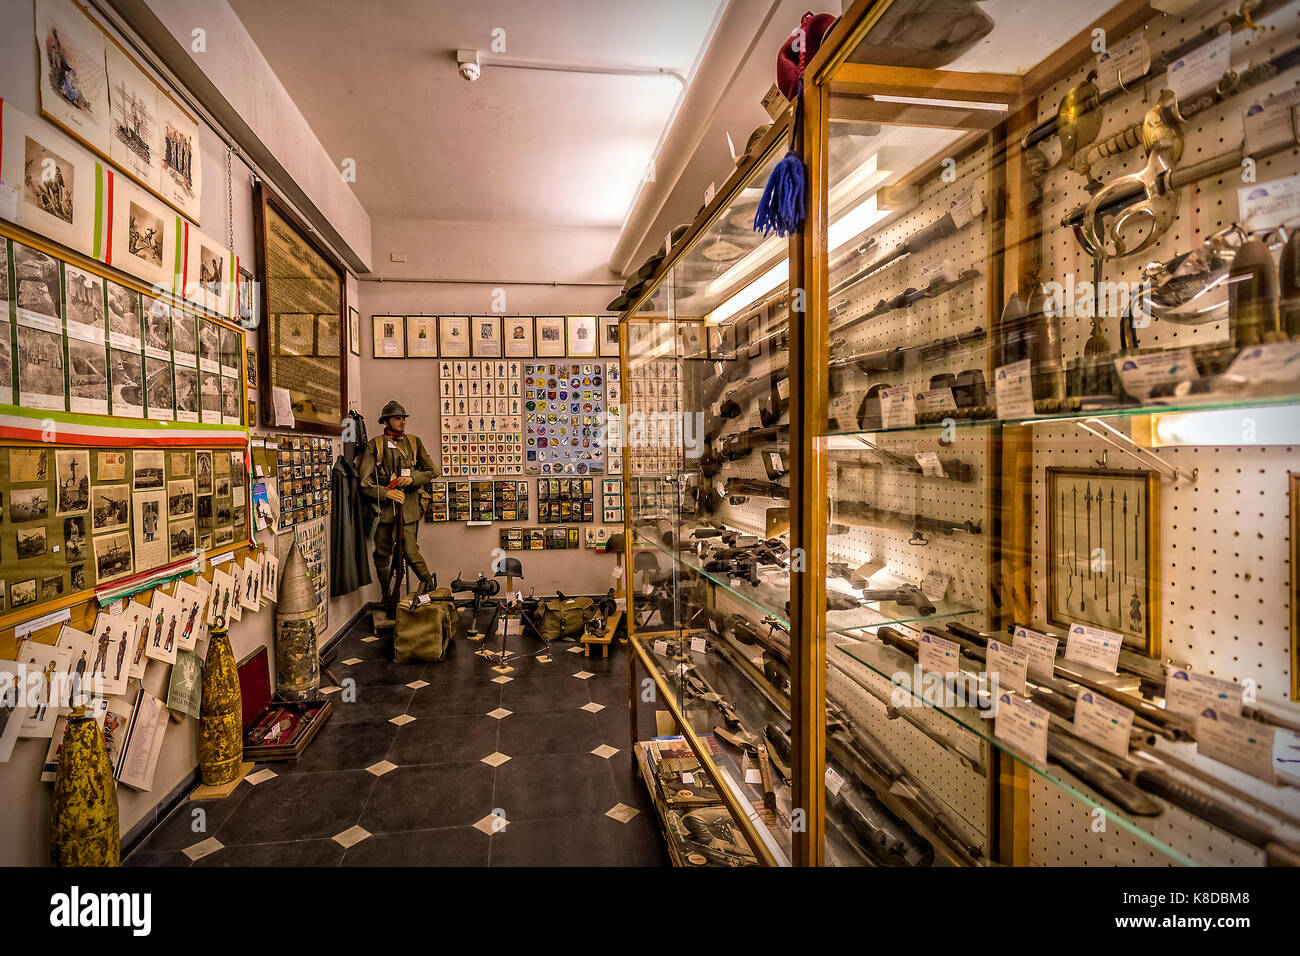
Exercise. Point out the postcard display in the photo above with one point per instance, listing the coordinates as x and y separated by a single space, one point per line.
487 500
564 406
303 469
78 518
480 406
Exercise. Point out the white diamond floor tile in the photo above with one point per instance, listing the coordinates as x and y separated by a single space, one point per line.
351 836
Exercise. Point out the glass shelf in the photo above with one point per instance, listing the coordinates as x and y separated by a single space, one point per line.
1181 406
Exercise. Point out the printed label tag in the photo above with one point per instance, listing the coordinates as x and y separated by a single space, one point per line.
1041 648
1014 390
1094 646
938 655
1189 693
929 462
1200 69
1022 724
1125 61
1010 663
1243 744
1103 722
897 407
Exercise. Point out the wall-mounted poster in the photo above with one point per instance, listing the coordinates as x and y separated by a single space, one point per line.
609 335
388 336
123 317
143 236
550 336
134 138
486 336
36 281
180 181
453 336
518 336
73 78
581 335
298 275
354 329
421 336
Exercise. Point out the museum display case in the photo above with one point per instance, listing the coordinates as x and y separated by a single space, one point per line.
975 543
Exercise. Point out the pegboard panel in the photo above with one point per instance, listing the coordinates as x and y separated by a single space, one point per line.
1203 208
960 310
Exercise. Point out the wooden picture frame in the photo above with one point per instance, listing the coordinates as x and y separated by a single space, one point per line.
319 288
609 336
549 336
388 336
517 336
1103 561
453 336
485 336
354 331
580 335
422 336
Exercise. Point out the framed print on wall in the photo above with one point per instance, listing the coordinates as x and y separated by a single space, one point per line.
550 336
354 331
389 338
421 336
581 335
486 337
519 336
609 335
1103 558
453 336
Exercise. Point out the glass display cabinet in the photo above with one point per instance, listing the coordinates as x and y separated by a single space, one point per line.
984 548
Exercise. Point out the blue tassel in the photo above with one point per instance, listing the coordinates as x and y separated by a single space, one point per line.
781 210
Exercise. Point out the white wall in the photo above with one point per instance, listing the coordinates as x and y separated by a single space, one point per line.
24 826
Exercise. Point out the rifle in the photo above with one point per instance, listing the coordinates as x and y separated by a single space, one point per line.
756 488
737 446
863 515
905 299
912 356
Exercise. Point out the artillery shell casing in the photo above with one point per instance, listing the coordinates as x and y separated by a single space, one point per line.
1252 295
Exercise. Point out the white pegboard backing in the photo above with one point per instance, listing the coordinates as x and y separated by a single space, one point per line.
1062 832
1224 598
961 556
943 772
957 311
1203 208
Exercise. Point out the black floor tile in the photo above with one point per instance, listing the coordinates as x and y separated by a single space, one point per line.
430 797
568 841
555 732
437 740
296 853
352 746
298 807
454 846
551 786
609 689
184 827
168 858
544 693
471 695
383 671
370 702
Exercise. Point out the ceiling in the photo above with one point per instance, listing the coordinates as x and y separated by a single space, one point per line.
378 84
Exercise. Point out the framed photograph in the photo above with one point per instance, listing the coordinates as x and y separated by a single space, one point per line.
609 335
247 299
73 476
312 285
83 304
421 336
550 336
486 336
453 336
1103 558
112 556
389 340
518 331
354 331
110 506
581 335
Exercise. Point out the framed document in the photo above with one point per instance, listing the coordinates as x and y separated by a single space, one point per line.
354 331
388 334
519 336
609 335
453 336
582 335
421 336
486 337
299 276
550 336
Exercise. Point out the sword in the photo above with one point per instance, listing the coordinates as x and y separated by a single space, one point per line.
1087 501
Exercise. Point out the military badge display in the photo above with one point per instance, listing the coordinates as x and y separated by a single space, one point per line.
564 408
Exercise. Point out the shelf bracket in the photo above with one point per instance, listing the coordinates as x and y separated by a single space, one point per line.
1131 448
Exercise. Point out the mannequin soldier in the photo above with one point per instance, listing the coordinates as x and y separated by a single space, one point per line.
393 467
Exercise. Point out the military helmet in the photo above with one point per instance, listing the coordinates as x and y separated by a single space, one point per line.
393 409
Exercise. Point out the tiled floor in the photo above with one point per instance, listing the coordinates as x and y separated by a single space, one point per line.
485 774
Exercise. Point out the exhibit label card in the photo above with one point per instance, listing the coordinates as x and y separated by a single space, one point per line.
1242 744
1023 725
1188 694
897 407
1014 389
938 655
1103 722
1094 646
1010 664
1041 648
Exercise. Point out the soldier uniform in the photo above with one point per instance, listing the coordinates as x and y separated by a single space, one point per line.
387 457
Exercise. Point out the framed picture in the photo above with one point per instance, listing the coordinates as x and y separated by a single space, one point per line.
247 299
1103 559
307 280
486 336
421 336
453 336
354 331
518 336
609 335
550 336
582 335
389 336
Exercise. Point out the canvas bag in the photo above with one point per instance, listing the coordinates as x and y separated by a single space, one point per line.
424 632
565 618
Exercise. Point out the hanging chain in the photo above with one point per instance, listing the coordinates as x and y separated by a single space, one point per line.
230 202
